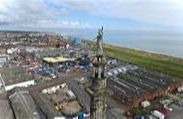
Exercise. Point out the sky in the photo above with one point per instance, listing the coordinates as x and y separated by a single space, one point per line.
83 14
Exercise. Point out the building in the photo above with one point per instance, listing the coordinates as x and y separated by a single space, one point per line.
97 90
58 102
20 84
3 60
54 61
23 105
75 41
135 85
5 110
15 77
46 107
2 84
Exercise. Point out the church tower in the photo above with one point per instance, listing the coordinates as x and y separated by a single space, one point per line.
98 87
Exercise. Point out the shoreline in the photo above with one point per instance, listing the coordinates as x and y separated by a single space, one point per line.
138 49
147 51
170 65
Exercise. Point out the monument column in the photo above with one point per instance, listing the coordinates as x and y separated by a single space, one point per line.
98 87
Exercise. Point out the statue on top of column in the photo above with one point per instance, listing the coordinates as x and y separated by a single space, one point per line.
100 42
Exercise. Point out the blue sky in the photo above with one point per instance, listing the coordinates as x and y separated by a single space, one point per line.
112 14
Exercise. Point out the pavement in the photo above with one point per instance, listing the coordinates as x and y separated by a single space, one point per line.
115 109
177 112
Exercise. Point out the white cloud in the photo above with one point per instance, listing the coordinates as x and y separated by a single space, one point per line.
41 13
162 12
34 13
56 24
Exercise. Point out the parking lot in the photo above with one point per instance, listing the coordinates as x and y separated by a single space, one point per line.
177 112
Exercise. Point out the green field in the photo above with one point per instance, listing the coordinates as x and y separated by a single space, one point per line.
165 64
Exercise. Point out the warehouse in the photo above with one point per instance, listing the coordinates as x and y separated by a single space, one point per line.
137 85
20 84
56 59
23 105
5 110
52 61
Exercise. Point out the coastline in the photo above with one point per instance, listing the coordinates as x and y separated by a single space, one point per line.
148 51
169 65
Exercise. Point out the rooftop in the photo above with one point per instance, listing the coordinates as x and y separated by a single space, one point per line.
58 101
139 84
23 105
56 59
5 110
14 74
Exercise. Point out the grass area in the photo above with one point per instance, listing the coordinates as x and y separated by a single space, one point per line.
165 64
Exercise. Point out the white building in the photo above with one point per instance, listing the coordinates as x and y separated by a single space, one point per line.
3 60
53 89
20 84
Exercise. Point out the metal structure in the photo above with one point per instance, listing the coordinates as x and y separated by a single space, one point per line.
97 90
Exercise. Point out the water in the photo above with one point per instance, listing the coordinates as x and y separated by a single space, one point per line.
170 43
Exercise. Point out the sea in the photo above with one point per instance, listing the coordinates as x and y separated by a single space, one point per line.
163 42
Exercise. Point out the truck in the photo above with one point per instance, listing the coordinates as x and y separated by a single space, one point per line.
158 114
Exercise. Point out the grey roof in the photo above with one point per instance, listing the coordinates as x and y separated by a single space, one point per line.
5 110
23 105
45 106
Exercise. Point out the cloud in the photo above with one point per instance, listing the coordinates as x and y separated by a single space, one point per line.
162 12
23 11
74 4
54 13
55 24
34 13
